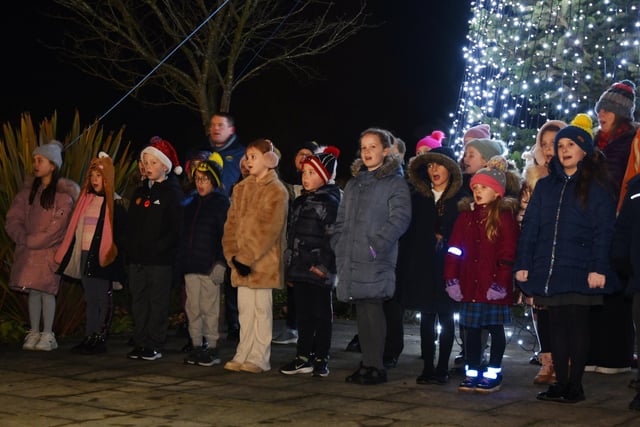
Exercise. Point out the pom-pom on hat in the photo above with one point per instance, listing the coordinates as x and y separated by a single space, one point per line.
579 131
214 165
431 141
481 131
52 151
325 163
619 99
493 175
487 147
164 151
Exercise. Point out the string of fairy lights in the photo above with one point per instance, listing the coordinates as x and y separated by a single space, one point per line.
528 61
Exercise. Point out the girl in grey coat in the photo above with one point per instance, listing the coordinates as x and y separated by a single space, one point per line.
375 211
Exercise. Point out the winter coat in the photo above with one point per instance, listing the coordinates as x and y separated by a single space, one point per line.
617 154
420 282
311 220
201 236
37 233
69 252
374 212
625 251
154 221
254 232
483 262
561 243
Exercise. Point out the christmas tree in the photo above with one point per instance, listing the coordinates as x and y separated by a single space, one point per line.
530 61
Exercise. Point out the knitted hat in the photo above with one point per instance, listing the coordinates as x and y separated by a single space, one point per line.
164 151
487 147
325 163
537 149
309 145
481 131
432 141
579 131
619 99
493 175
213 165
197 156
52 151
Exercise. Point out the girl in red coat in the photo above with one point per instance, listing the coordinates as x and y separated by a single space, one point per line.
478 272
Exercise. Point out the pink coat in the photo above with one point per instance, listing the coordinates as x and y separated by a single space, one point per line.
37 233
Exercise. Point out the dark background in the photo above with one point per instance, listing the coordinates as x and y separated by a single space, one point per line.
404 75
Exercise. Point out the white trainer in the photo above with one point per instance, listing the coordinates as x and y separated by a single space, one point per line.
31 340
47 342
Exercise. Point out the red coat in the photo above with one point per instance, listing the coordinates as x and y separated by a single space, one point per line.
482 262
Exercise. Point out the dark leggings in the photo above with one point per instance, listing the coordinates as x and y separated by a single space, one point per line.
570 342
473 345
428 335
542 326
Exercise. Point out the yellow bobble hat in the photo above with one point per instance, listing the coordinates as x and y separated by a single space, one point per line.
213 165
579 131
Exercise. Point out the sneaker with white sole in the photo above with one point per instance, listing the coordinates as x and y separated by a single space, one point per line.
287 336
31 340
299 365
47 342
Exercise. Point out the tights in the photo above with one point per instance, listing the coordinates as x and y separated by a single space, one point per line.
473 345
41 303
569 342
428 335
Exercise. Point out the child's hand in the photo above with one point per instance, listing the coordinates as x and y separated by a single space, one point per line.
453 289
596 280
522 275
496 292
218 272
243 270
318 272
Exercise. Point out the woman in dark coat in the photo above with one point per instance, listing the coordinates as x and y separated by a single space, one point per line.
436 181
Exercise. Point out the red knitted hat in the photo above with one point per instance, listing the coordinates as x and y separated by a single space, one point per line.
325 163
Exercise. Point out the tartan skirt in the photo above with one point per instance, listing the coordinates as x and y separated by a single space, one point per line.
480 314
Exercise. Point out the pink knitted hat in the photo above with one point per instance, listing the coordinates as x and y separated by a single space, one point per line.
432 141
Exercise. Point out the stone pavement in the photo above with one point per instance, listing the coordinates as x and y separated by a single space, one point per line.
62 389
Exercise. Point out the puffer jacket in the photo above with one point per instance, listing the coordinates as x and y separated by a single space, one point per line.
626 241
37 233
311 219
255 231
561 243
375 211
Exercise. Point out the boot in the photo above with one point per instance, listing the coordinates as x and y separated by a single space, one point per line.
546 374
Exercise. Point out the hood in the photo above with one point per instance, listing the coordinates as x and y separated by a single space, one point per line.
392 165
419 177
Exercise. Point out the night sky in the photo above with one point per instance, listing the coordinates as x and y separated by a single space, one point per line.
404 75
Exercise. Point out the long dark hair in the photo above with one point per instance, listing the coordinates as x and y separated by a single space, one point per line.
593 169
48 196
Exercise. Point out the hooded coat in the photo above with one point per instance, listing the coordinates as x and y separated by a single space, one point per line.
561 242
374 212
37 233
255 230
420 266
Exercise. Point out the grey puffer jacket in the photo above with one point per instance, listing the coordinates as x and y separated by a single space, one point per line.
374 212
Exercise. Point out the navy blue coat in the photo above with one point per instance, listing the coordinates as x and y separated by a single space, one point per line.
626 240
560 242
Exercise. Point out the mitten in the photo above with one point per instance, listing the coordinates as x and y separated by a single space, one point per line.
496 292
218 272
453 289
243 270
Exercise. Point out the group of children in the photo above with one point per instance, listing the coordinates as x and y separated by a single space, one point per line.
443 236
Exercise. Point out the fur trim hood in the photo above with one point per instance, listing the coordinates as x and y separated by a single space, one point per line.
392 165
64 185
418 175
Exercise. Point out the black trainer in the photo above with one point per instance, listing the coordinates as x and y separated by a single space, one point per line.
299 365
321 367
150 354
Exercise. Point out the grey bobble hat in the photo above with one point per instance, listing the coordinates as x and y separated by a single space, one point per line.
52 151
619 99
487 147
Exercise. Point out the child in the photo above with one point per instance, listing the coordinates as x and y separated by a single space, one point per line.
430 142
201 262
626 247
310 262
36 222
90 251
436 179
153 233
563 251
374 212
253 243
478 272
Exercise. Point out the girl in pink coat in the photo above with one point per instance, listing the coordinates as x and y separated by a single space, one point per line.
36 222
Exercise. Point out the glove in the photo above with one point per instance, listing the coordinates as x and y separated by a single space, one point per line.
243 270
453 289
218 272
495 292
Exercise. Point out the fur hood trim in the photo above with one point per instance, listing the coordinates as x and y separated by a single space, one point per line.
64 185
418 175
392 165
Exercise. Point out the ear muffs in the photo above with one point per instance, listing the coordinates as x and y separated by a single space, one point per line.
271 159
